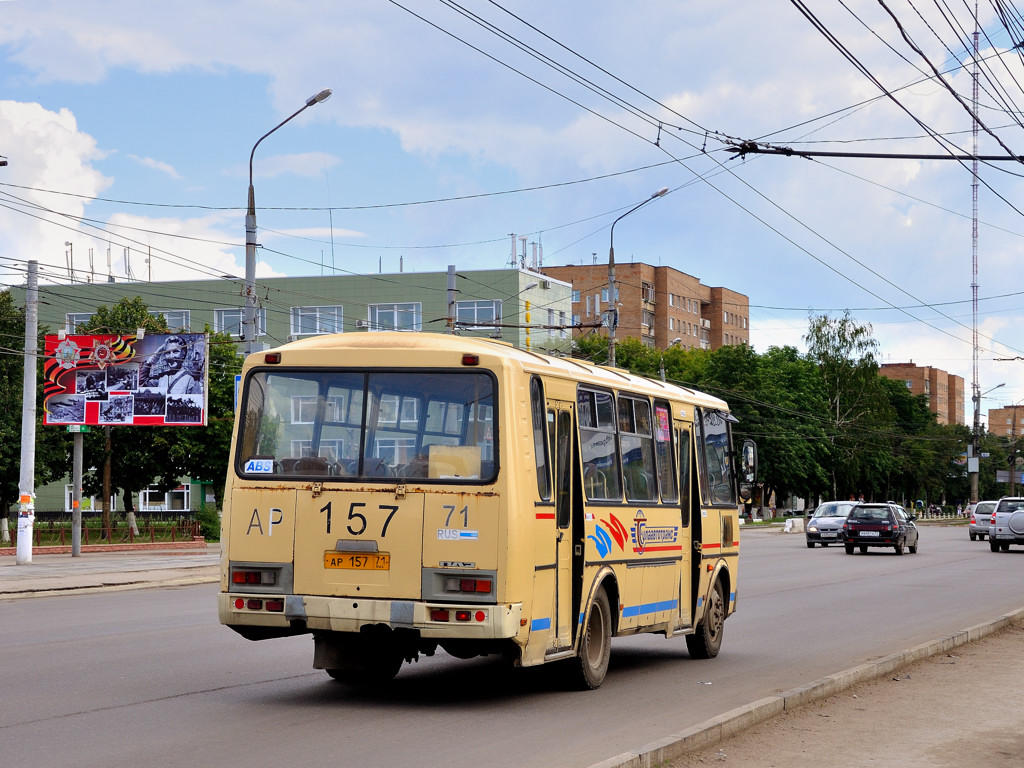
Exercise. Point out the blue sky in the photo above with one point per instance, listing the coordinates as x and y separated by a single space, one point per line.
441 139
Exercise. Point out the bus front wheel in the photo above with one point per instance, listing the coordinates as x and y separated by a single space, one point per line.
706 641
595 644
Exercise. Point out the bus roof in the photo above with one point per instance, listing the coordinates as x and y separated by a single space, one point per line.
448 349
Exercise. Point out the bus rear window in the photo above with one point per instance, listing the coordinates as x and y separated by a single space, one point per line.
340 425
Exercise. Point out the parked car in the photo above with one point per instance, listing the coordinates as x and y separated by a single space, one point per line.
980 515
1007 523
825 525
880 525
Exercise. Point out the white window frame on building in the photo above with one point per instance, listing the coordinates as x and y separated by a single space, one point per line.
575 295
224 321
316 321
74 319
152 500
178 320
88 502
479 314
395 316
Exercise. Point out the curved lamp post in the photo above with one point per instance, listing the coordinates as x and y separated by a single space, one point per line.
248 328
613 312
666 349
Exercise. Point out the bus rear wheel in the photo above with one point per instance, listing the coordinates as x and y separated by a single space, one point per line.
706 641
372 671
591 665
359 659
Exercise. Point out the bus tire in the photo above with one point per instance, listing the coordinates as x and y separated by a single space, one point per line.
591 664
381 669
706 641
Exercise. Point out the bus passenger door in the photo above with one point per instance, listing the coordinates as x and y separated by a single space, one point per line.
566 598
690 526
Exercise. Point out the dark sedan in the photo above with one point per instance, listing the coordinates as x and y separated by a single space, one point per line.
825 526
880 525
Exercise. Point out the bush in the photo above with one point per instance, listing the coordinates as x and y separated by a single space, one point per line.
209 523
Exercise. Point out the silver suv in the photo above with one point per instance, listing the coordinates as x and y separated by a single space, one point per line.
981 518
1007 523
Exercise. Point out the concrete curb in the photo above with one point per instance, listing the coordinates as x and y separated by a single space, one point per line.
145 546
184 581
728 723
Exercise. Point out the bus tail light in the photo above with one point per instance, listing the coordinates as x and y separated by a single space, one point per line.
463 615
439 614
251 577
467 585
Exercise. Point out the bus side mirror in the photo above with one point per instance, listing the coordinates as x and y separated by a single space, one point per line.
748 469
748 462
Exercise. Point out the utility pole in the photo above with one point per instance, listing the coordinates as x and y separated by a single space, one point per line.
26 483
451 298
973 458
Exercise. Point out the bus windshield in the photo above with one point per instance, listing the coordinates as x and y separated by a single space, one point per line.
368 424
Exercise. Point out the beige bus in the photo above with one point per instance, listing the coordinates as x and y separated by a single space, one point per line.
396 493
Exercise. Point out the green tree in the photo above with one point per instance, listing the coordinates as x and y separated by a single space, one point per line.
51 448
857 409
204 453
129 458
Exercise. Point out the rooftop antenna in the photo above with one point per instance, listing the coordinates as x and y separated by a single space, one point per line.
69 257
92 272
128 263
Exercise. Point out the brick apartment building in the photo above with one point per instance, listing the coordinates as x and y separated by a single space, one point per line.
945 391
1007 421
658 305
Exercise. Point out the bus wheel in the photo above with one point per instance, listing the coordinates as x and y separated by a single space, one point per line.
595 644
380 668
706 641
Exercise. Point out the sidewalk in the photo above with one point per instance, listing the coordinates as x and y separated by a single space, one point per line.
128 567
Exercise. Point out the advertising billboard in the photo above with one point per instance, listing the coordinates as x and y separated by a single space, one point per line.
107 380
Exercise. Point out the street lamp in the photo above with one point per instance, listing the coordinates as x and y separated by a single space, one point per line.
613 318
248 328
973 466
666 349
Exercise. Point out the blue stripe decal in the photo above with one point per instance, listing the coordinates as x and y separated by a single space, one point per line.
538 625
732 597
631 611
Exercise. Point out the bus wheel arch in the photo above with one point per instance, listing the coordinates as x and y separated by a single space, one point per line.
595 643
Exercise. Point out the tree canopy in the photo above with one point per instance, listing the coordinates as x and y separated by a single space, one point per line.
826 423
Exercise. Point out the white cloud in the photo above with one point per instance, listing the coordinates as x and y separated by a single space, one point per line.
156 165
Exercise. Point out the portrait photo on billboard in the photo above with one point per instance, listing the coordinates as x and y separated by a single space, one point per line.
160 379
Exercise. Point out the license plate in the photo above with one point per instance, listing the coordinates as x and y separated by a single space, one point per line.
826 535
869 533
358 561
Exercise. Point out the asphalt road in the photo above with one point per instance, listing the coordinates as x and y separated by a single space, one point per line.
149 677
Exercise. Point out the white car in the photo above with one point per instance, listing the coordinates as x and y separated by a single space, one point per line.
1007 526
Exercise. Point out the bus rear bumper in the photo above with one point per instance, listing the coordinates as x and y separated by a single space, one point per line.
336 614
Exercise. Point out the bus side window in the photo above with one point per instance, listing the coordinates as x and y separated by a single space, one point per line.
663 452
684 474
540 439
563 466
598 445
